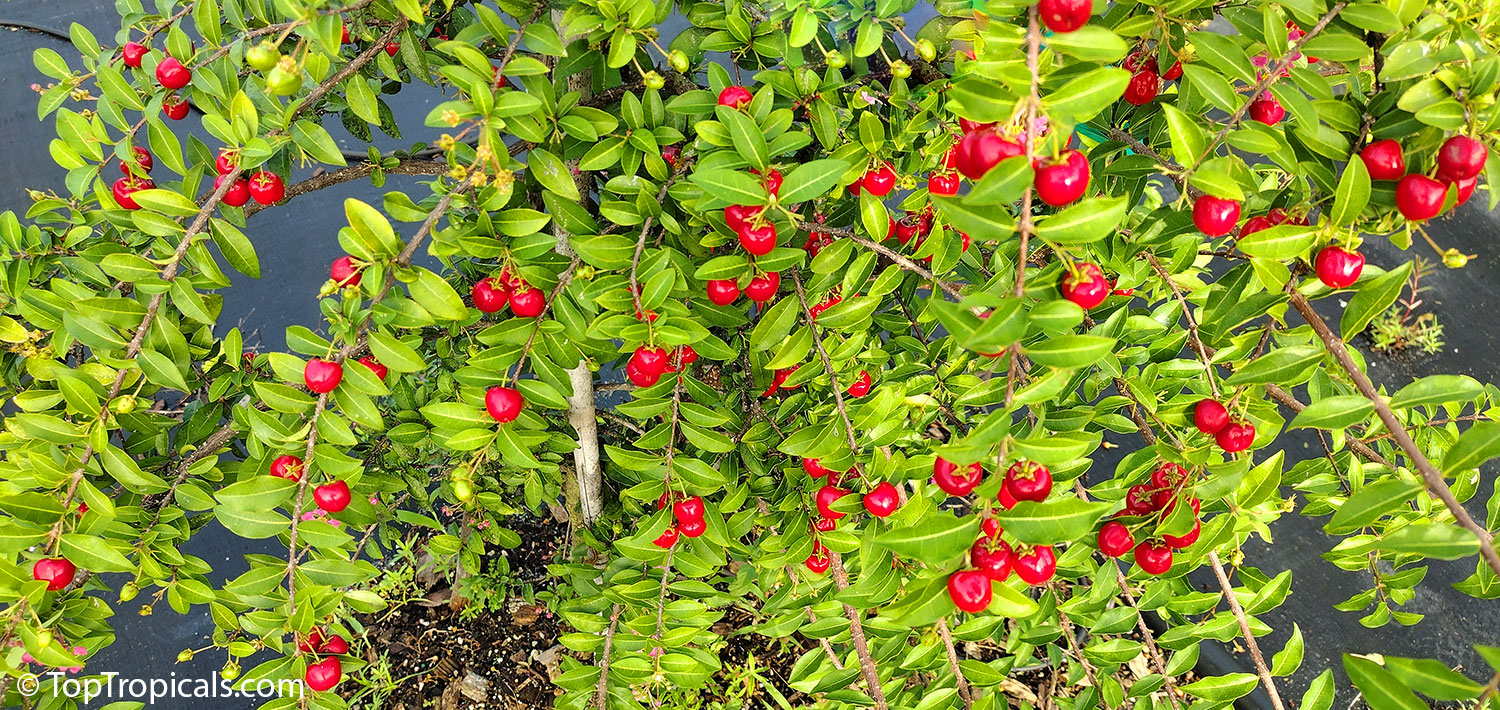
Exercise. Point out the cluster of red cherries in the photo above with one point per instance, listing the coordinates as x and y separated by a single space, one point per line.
492 294
687 515
330 497
135 178
647 364
1151 502
326 673
881 501
1212 418
1336 266
171 74
265 187
1418 197
991 558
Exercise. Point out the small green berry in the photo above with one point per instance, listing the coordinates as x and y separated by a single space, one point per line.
900 69
654 81
679 61
835 59
925 50
263 56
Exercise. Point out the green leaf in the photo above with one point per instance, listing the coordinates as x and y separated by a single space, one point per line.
1475 446
372 228
935 540
1088 221
1090 43
1319 695
1432 678
1051 520
1369 503
749 142
166 202
1223 54
811 179
1437 389
1282 365
553 174
93 553
774 325
1434 540
50 63
394 354
1223 688
1373 298
315 140
1284 241
437 296
982 224
1071 351
1352 195
1003 184
1085 96
1337 412
1188 140
1289 658
160 370
236 248
1381 689
730 187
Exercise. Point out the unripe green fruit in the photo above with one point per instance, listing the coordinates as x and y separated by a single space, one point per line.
185 656
285 79
835 59
129 591
654 81
463 490
230 672
679 61
43 638
900 69
124 404
925 50
263 56
1455 259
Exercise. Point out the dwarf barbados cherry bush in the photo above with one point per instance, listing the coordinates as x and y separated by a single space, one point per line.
879 295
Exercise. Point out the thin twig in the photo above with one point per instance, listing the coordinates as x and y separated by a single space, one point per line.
1239 615
1194 340
958 673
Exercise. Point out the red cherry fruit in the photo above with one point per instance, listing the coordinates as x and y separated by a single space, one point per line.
1028 480
906 229
335 645
1144 85
992 557
321 376
1061 181
490 295
1085 286
670 154
1215 216
312 642
171 74
125 186
343 272
763 287
1139 500
771 179
826 497
651 360
324 674
1115 539
759 241
1461 157
1209 416
1177 542
967 126
1338 267
237 194
693 528
1267 110
141 161
970 590
722 292
882 500
528 302
737 217
174 107
861 386
226 161
345 33
1174 72
1154 558
1383 160
1167 475
818 561
1253 225
639 377
1465 189
288 467
667 538
1065 15
266 187
391 48
735 96
332 497
1007 501
688 509
55 571
880 181
825 525
955 481
504 404
375 366
1236 436
980 150
990 527
945 184
815 468
686 355
1037 566
1419 197
133 53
